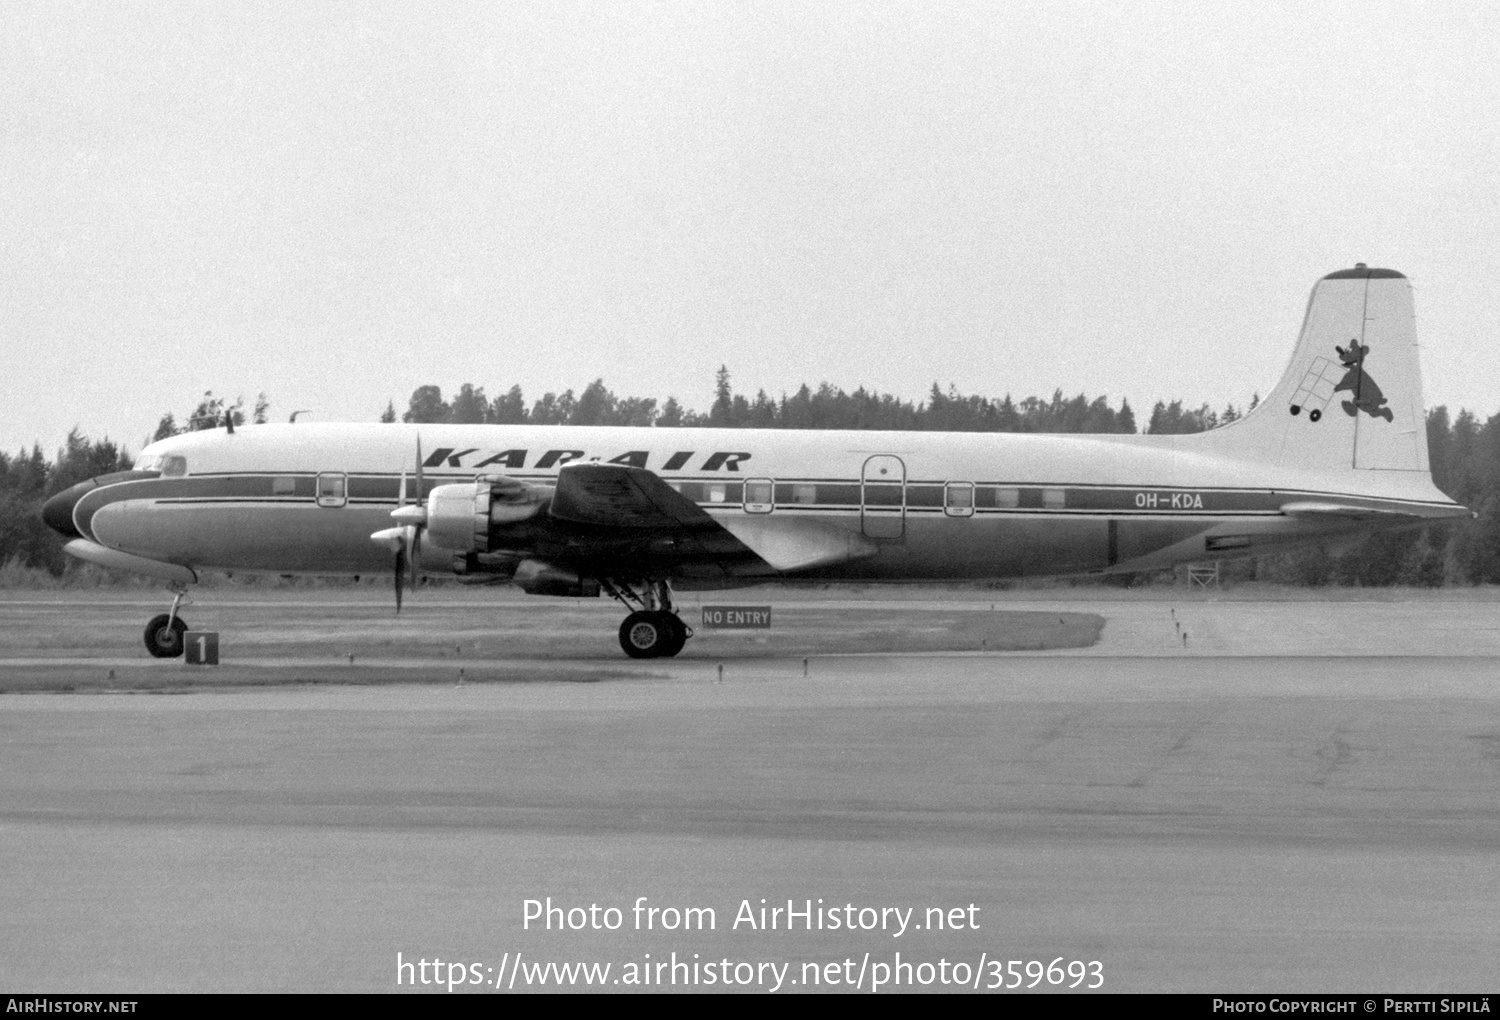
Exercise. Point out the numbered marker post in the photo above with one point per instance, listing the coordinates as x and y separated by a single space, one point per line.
202 647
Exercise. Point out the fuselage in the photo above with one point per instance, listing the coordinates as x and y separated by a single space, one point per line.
305 498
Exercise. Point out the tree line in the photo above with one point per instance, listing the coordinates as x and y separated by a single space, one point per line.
827 407
28 479
1464 452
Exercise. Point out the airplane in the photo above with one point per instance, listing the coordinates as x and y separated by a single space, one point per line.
1338 448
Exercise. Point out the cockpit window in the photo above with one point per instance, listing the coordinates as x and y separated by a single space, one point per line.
173 467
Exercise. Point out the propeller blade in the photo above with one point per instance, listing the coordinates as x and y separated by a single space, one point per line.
404 539
421 492
417 512
411 548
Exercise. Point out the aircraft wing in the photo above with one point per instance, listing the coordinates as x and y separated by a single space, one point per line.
614 496
635 500
798 543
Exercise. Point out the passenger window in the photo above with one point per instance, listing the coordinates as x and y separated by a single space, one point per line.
716 492
1054 499
1007 497
804 493
958 499
758 498
283 485
331 488
174 467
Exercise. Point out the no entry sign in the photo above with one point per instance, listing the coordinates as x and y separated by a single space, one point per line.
737 617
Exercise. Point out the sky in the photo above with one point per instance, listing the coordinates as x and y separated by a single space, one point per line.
336 203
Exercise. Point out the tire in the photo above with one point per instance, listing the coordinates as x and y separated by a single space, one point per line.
645 635
163 641
677 633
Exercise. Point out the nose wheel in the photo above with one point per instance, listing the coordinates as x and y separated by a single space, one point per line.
164 634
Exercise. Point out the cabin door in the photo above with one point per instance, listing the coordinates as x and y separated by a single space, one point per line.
882 499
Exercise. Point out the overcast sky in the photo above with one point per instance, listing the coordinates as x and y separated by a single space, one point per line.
336 203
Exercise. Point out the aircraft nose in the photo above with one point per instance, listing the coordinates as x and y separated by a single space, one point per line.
57 512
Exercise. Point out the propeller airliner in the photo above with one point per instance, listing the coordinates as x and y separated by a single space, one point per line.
1339 447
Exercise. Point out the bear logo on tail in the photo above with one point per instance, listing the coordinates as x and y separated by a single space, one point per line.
1366 393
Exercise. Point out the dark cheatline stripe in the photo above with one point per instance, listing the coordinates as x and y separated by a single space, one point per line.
989 498
924 495
880 494
701 492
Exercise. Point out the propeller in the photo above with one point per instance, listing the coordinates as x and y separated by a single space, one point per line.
403 545
406 537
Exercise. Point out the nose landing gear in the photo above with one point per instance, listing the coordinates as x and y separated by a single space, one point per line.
653 629
164 633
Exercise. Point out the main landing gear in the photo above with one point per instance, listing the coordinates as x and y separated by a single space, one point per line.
164 633
653 629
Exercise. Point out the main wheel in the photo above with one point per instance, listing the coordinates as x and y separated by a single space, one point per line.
645 635
677 633
164 636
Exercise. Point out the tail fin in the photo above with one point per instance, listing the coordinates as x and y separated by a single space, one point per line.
1352 396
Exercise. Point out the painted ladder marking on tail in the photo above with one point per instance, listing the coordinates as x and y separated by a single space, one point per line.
1316 388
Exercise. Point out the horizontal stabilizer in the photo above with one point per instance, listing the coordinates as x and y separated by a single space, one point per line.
1322 509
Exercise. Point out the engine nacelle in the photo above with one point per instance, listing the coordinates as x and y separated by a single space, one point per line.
457 536
459 516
